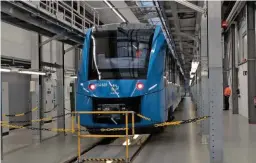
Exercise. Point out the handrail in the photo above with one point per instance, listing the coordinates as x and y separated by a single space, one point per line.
76 18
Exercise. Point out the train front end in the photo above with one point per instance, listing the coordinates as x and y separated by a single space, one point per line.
121 70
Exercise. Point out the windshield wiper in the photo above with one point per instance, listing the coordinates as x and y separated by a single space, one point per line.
94 57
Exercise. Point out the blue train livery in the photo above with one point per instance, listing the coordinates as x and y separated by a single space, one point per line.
127 67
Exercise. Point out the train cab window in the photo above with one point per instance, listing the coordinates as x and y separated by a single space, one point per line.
120 54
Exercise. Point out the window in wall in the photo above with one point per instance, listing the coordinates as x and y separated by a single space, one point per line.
244 48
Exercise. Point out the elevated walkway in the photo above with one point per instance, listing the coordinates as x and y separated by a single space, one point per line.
56 19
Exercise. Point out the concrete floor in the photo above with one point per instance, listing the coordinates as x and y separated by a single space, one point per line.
182 144
18 146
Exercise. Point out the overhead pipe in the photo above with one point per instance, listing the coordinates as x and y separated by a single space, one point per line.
234 12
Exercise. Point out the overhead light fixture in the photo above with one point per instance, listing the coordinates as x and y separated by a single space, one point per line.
5 70
117 13
31 72
191 5
73 77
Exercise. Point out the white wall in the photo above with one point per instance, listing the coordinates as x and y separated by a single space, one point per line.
69 58
15 42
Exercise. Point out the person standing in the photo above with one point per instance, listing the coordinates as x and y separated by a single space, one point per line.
227 93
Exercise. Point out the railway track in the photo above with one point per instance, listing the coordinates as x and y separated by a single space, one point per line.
112 150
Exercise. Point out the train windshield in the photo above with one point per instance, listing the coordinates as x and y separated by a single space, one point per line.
120 54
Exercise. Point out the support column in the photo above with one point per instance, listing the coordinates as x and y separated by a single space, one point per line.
204 80
60 85
234 71
251 61
77 61
225 63
1 119
35 86
215 81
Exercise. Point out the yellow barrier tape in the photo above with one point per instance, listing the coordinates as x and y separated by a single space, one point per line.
143 117
112 129
37 120
34 109
32 128
168 124
174 123
43 119
20 114
104 159
12 126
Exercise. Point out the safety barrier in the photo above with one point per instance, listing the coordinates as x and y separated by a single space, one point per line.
30 111
126 129
20 114
37 120
105 159
78 130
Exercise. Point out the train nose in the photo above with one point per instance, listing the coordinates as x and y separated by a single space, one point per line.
116 88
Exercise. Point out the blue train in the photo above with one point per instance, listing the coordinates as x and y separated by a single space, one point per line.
127 67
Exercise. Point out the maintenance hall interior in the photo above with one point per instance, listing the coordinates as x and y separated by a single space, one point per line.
143 81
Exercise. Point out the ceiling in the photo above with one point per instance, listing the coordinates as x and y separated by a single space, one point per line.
183 23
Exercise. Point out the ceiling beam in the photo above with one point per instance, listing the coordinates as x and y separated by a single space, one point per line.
176 21
150 15
171 18
190 45
180 11
185 28
191 6
183 34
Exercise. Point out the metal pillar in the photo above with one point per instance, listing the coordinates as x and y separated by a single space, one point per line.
225 62
35 86
234 71
77 61
251 61
60 85
1 118
204 80
215 81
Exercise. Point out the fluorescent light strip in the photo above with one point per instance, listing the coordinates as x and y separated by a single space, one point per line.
74 77
117 13
31 72
5 70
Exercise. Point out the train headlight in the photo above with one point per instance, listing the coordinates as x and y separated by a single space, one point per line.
92 87
140 86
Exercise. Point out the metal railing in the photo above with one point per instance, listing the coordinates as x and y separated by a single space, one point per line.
77 14
76 115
